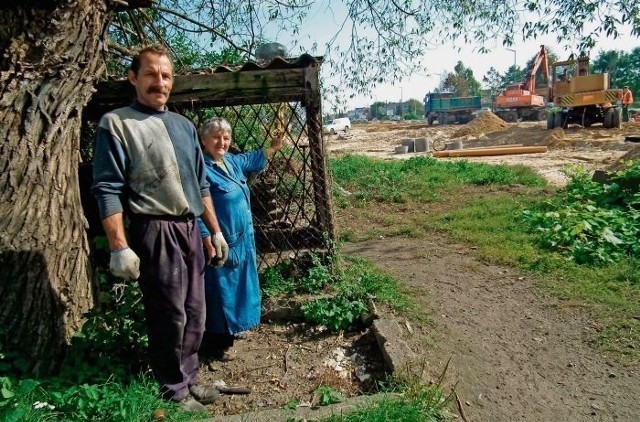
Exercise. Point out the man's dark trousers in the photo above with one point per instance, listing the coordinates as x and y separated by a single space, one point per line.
172 284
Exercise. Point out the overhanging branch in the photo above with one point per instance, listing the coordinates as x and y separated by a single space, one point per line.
200 24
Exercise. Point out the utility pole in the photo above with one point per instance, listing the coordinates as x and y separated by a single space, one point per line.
514 62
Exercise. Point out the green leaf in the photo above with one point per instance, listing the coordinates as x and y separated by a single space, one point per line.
6 393
611 238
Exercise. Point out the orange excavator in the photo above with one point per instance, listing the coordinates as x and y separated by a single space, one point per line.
519 100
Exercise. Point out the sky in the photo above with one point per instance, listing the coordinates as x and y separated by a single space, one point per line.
323 22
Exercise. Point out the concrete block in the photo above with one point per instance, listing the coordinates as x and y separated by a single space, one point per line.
421 145
396 352
409 143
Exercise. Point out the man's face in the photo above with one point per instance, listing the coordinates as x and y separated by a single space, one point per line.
154 80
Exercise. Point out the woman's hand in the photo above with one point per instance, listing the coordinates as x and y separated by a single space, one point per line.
276 143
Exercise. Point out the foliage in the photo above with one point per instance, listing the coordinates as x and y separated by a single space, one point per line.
591 222
112 342
623 68
60 399
382 34
291 404
462 82
274 280
336 313
103 375
496 82
345 287
327 395
318 276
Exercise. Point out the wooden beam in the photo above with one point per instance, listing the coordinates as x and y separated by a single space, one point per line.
214 90
490 151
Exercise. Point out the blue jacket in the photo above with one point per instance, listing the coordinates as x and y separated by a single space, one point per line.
233 291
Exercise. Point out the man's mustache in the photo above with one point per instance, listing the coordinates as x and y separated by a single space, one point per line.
157 90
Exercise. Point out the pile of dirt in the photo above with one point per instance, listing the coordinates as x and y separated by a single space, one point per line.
486 122
555 139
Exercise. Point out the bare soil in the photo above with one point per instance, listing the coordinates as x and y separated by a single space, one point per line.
517 354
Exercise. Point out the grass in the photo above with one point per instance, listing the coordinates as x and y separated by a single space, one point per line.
415 403
483 205
417 180
56 399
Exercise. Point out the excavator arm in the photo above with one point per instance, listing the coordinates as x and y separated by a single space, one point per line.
540 62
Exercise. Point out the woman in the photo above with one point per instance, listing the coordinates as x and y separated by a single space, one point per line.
232 291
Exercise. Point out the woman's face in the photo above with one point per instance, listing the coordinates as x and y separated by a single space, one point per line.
216 144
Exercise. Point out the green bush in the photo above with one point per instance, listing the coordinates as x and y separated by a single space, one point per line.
591 222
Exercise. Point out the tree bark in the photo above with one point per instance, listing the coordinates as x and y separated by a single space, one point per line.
49 62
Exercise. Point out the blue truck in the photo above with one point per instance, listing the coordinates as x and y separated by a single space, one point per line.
446 108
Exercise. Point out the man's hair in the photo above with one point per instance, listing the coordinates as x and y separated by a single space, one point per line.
154 49
625 87
214 124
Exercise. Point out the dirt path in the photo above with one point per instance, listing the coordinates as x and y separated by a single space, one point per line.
516 354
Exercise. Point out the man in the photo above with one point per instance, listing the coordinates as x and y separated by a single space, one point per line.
149 160
627 100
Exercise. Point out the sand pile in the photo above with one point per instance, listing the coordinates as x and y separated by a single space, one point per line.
555 139
486 122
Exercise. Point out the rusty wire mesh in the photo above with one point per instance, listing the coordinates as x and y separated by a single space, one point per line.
285 198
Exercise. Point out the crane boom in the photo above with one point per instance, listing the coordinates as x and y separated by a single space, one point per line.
540 61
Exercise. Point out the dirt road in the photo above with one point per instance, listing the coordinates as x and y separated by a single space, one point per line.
516 354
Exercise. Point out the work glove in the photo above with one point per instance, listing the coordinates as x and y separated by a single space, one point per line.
125 263
221 248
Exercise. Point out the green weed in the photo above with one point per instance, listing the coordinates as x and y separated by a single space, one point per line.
590 222
327 395
336 312
413 403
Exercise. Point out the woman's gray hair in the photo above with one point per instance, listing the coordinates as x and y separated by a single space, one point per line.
214 124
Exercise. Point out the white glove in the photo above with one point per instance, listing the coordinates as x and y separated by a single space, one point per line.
125 264
221 247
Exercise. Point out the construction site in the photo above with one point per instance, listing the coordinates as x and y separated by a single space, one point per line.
490 139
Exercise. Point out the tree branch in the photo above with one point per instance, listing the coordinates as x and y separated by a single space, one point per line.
160 37
200 24
120 48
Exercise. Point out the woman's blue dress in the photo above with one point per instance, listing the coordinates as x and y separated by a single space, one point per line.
233 291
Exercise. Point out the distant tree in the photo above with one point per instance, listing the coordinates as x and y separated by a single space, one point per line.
462 81
623 68
414 106
495 82
378 110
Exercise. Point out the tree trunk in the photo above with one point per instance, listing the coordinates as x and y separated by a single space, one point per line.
49 62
